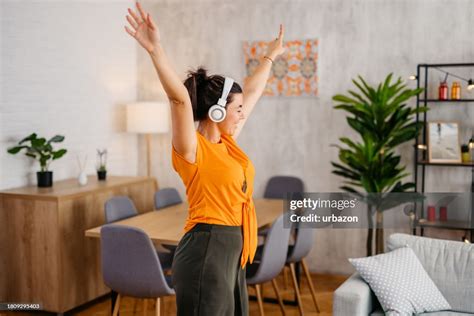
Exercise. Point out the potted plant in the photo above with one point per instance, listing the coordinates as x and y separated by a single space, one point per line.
383 121
101 164
41 150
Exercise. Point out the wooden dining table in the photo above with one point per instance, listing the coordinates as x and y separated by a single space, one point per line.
166 226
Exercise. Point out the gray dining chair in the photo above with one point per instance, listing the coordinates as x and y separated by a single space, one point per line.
166 197
304 239
131 267
122 207
270 263
279 186
118 208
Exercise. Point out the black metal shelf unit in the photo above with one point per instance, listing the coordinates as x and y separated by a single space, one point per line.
423 162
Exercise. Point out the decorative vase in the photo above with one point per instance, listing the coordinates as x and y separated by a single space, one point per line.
443 91
82 178
45 179
431 213
101 175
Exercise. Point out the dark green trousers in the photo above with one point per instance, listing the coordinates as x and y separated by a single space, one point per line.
207 276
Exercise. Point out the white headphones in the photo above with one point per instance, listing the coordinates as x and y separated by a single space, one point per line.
217 112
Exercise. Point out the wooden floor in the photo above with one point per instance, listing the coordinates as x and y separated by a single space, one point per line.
324 286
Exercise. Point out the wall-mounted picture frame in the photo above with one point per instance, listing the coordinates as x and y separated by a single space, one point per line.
293 74
443 142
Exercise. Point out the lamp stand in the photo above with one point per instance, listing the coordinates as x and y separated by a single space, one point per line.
148 154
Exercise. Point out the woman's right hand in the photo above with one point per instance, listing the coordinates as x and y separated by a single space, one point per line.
144 30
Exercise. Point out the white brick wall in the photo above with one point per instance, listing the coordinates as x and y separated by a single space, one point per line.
67 67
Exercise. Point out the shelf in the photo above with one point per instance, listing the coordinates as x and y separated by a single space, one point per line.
447 65
446 164
449 224
447 101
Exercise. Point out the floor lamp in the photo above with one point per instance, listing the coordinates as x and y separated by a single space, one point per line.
148 118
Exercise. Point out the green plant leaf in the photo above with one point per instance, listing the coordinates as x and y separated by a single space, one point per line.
44 161
58 154
56 139
348 189
16 149
38 143
28 138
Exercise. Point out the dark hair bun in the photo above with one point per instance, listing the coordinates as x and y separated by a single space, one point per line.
204 91
200 76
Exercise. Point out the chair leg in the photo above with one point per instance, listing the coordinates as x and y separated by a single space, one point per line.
117 305
158 303
259 299
285 277
297 290
145 301
163 305
310 282
278 295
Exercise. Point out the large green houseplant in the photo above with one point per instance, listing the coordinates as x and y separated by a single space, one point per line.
41 150
383 120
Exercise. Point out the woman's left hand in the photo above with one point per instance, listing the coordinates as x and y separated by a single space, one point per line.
275 48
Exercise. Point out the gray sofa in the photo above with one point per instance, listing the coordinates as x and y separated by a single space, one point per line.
450 264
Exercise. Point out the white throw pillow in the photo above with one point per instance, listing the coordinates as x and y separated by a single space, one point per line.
400 283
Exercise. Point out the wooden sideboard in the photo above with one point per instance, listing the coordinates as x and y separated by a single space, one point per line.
45 257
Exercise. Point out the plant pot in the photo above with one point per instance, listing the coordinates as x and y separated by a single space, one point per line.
45 179
101 175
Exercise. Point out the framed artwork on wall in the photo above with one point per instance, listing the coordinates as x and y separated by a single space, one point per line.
293 73
443 142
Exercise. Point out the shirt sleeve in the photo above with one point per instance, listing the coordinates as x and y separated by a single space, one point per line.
183 167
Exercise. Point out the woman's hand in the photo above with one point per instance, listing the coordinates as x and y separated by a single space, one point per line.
275 48
144 30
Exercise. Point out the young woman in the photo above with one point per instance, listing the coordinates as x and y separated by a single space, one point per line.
221 229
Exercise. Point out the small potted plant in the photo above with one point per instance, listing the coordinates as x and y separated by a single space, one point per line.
41 150
102 164
465 155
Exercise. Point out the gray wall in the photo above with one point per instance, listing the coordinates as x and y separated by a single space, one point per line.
293 135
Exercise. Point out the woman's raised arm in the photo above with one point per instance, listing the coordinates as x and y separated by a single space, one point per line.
146 32
255 84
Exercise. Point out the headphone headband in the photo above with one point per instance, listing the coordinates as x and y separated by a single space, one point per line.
217 112
228 83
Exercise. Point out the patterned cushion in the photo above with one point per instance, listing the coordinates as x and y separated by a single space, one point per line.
400 283
380 312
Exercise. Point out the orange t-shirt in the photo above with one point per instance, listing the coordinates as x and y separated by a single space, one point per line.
214 189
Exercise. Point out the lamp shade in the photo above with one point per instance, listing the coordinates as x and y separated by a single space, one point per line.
148 117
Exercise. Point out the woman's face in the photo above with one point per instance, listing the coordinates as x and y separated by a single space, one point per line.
235 114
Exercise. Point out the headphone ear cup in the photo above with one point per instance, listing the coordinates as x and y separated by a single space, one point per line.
217 113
